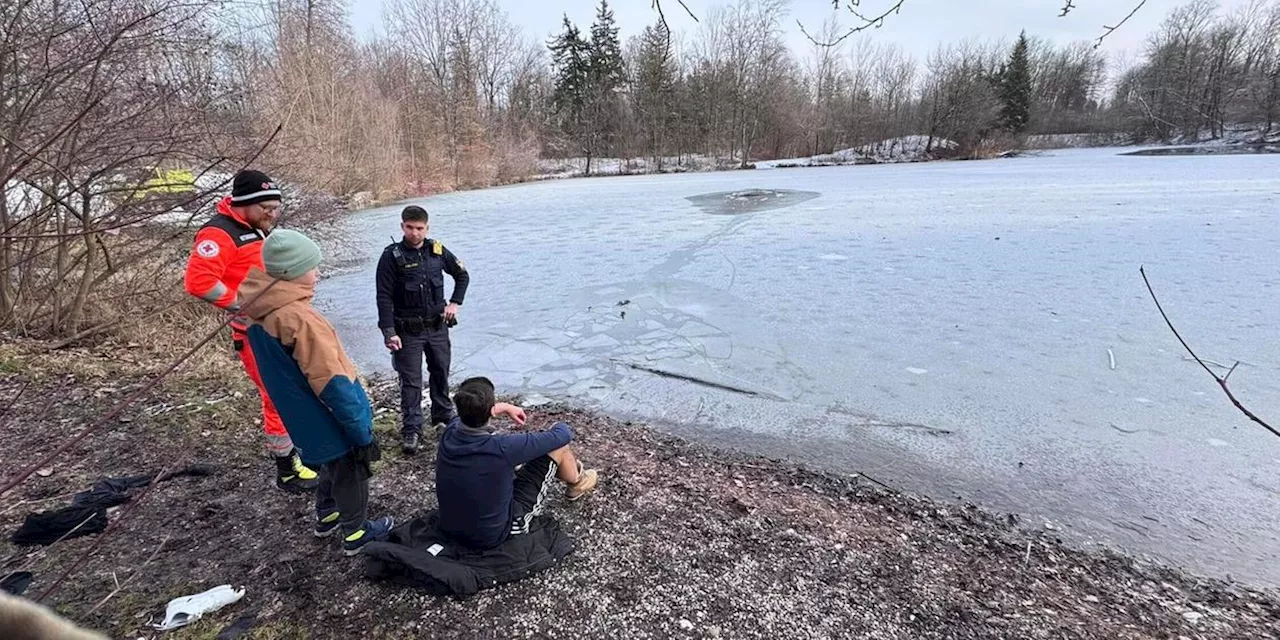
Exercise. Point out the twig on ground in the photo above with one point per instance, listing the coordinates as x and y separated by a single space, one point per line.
14 400
882 485
30 564
1111 354
1209 362
102 537
27 502
63 344
1221 380
122 585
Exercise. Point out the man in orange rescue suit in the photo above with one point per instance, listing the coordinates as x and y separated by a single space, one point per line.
226 248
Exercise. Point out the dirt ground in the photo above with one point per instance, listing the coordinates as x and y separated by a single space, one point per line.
680 541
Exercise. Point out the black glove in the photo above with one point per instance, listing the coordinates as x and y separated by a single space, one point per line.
367 455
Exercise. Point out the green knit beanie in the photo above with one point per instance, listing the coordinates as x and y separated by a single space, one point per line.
288 254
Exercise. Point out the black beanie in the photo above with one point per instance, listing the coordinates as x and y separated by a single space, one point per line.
251 187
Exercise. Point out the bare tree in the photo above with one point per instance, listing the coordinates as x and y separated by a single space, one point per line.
1203 71
94 99
827 84
654 74
959 96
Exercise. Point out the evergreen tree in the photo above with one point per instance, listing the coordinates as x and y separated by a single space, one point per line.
654 78
605 76
571 57
1015 88
606 53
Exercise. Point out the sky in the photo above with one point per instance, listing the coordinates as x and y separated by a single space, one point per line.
918 28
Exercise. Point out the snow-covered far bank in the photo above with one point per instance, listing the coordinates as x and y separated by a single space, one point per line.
560 168
1044 142
1232 135
905 149
892 151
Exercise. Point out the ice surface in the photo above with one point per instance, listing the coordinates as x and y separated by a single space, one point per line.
1005 280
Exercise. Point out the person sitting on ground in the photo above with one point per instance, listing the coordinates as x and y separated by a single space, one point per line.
483 498
313 385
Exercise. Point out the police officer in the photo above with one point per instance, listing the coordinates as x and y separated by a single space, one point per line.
415 318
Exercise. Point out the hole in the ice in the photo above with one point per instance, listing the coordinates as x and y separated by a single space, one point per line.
750 200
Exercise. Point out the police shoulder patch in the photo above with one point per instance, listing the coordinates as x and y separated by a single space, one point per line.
437 248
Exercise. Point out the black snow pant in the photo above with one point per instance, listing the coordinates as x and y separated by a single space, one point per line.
344 487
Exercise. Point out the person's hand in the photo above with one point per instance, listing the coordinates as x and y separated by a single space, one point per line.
511 411
393 343
451 312
367 455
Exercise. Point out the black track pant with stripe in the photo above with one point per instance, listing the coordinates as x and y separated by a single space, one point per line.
533 481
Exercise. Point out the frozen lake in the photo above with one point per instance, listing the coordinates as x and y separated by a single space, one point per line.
941 327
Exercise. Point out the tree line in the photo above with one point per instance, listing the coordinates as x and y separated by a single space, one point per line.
99 96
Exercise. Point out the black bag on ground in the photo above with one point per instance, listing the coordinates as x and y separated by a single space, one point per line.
417 554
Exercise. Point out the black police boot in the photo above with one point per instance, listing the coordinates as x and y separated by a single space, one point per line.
410 444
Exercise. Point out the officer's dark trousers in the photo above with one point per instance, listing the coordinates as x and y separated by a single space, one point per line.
433 343
344 486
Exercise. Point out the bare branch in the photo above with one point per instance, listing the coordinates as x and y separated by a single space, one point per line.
1066 8
119 409
662 17
198 196
687 10
1112 29
1222 381
867 22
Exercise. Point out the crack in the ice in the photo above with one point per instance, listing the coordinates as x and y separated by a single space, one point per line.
700 381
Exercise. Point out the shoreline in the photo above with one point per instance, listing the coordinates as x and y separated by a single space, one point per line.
683 540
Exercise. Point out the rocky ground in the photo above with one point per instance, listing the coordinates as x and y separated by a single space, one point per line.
679 542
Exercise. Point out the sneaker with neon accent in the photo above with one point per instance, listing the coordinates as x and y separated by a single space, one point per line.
304 472
294 477
327 524
372 531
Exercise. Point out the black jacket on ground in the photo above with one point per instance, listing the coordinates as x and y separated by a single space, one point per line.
417 554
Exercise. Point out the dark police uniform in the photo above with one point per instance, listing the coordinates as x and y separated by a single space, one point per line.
411 304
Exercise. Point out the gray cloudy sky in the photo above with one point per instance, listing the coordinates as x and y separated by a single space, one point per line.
921 25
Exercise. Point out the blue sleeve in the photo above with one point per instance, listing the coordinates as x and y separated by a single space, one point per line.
520 448
350 406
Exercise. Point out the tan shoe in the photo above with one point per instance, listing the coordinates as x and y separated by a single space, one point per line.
585 484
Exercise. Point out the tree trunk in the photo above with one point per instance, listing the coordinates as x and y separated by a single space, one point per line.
6 285
76 315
